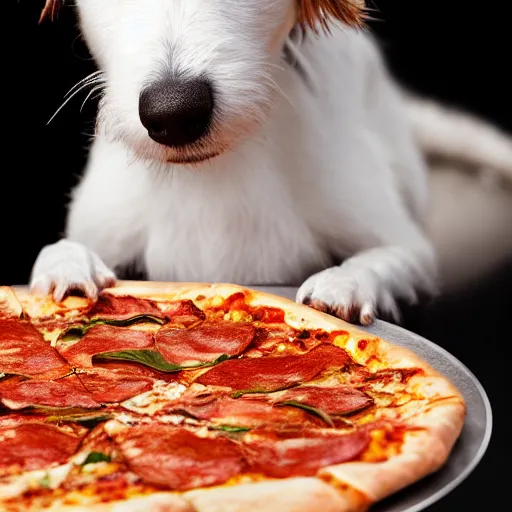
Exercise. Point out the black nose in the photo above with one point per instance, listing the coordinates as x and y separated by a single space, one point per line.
177 112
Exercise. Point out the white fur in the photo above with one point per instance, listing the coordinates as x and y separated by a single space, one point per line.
311 171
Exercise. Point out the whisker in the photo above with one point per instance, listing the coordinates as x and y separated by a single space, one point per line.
70 97
91 92
96 74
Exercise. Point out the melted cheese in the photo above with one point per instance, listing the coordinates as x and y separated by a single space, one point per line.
381 447
238 316
40 307
156 399
145 326
51 336
41 479
363 351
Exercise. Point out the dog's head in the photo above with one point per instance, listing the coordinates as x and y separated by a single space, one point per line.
188 79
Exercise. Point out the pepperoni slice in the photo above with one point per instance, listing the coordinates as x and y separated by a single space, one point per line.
204 343
32 446
120 307
279 455
23 351
114 385
331 400
66 392
104 338
248 413
184 312
272 373
177 459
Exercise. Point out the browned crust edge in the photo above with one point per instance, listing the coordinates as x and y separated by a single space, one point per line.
423 453
290 495
158 502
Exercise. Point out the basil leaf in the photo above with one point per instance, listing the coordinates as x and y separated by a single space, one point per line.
87 419
229 428
308 408
150 358
127 321
238 394
154 359
220 359
79 331
73 333
95 457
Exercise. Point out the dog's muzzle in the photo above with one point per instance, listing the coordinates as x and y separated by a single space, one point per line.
175 112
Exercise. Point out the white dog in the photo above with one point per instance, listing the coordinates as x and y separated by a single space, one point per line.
235 143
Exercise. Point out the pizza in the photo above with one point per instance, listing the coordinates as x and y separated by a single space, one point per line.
208 398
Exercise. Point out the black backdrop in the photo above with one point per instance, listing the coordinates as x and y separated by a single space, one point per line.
442 48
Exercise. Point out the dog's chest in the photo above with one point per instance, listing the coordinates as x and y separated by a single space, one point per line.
245 229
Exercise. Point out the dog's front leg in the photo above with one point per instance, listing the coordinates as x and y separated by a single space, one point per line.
372 282
105 226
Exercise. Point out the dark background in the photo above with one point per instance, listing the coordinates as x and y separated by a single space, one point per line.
440 48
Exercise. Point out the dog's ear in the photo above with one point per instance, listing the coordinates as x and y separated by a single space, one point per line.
312 12
51 9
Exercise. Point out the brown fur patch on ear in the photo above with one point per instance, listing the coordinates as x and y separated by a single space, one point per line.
350 12
51 9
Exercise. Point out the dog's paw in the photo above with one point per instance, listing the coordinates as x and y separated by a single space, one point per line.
372 283
350 297
68 266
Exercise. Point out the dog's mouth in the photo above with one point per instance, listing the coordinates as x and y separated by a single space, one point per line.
192 159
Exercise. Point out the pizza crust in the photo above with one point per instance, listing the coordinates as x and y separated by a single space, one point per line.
423 453
158 502
171 291
290 495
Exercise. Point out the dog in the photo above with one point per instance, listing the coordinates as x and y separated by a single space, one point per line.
257 142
